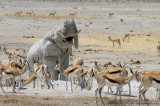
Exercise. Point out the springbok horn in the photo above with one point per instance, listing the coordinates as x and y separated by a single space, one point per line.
124 64
27 64
34 60
137 76
131 70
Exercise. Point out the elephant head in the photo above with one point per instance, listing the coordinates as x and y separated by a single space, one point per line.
68 34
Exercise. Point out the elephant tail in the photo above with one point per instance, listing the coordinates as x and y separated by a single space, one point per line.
32 78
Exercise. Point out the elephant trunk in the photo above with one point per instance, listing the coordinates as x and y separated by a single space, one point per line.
76 42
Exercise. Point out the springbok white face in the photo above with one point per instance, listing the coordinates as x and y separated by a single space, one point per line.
56 67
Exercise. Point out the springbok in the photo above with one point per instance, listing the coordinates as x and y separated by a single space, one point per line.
75 71
18 13
88 75
158 49
42 75
11 72
9 54
29 13
125 37
72 14
115 40
115 70
110 15
147 79
52 14
110 80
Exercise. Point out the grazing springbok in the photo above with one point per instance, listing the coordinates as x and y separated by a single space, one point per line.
125 37
52 14
72 14
18 13
117 40
11 72
110 80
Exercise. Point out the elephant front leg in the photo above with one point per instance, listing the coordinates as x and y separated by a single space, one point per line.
51 63
65 65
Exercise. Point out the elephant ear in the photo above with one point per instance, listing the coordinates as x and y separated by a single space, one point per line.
76 39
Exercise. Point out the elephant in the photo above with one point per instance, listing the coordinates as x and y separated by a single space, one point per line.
52 48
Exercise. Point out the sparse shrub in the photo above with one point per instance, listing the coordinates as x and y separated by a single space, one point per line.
148 34
75 8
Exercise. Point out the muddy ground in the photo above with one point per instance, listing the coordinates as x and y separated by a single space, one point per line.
140 19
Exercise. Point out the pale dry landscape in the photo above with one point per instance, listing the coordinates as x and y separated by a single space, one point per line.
140 19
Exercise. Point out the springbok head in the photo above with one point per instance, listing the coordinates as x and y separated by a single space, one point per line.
135 75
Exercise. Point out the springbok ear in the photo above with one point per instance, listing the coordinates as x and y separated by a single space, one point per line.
96 63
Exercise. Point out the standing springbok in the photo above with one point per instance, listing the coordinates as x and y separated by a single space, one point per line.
29 13
18 13
88 75
147 79
71 72
151 79
115 70
110 15
9 54
110 80
158 49
115 40
42 75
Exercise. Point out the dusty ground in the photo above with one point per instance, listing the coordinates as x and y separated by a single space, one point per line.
141 19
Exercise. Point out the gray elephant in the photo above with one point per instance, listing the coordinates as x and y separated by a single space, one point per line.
52 48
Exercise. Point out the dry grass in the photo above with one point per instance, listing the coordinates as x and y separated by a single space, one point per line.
26 40
98 33
75 8
55 17
137 44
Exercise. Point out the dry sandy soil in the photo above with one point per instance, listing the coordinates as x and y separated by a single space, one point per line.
140 19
